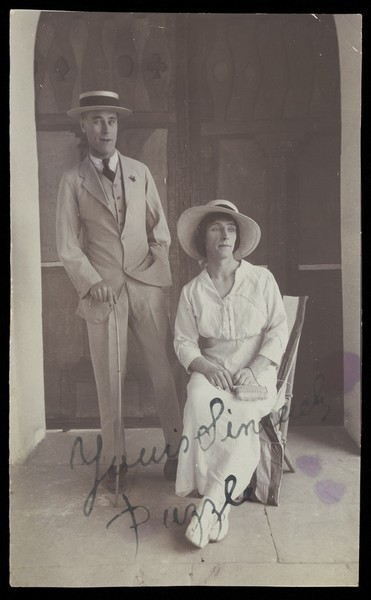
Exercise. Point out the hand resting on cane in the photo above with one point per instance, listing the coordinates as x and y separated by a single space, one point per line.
103 292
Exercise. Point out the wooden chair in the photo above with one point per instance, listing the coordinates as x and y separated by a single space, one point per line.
266 481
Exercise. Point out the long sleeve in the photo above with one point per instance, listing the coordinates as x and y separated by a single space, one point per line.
186 332
276 335
68 239
157 229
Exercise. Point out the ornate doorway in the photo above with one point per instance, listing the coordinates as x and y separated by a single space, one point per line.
245 107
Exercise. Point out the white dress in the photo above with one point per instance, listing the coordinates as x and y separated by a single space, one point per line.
221 439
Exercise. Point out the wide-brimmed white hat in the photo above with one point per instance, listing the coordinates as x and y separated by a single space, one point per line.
99 100
191 218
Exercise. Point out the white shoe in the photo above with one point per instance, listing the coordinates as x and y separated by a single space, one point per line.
220 529
201 524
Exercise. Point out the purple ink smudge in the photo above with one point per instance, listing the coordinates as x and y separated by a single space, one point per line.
310 465
352 370
341 371
329 491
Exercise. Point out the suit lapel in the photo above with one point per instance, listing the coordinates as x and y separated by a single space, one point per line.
131 179
92 182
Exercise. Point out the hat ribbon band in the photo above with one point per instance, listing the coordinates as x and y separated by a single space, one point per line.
225 206
98 100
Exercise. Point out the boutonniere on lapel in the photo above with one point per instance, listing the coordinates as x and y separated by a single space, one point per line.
132 178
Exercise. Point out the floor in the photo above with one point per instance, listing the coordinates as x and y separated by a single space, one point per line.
62 535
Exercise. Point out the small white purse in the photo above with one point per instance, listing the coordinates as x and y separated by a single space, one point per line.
250 392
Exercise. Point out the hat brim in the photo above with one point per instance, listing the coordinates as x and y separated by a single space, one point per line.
191 218
121 111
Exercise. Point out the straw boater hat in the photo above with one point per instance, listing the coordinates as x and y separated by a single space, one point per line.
191 218
99 100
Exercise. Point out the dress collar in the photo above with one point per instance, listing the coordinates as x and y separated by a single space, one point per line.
241 269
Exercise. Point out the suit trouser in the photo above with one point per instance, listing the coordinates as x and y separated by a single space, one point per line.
142 308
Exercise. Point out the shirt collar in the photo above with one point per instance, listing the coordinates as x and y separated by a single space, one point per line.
97 162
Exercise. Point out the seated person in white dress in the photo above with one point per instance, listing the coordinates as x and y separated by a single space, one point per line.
230 335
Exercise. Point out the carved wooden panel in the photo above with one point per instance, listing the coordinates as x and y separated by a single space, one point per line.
242 180
201 40
265 124
95 73
247 69
271 67
44 93
79 37
157 66
319 201
141 25
219 70
75 52
249 66
326 97
274 79
150 147
129 53
39 70
301 66
61 64
122 54
244 106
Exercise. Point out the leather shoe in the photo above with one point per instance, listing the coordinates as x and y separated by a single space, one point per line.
170 469
110 478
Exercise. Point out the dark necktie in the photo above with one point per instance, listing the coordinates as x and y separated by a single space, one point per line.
106 170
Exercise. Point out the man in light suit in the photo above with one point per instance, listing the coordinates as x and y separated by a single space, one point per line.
113 240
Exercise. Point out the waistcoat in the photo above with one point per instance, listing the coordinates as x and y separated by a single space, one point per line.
115 192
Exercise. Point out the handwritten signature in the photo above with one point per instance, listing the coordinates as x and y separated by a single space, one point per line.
308 404
204 430
130 509
206 437
216 410
189 511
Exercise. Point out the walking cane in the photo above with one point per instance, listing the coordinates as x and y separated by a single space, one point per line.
118 441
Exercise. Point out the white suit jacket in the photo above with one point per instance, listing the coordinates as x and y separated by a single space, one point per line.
89 242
